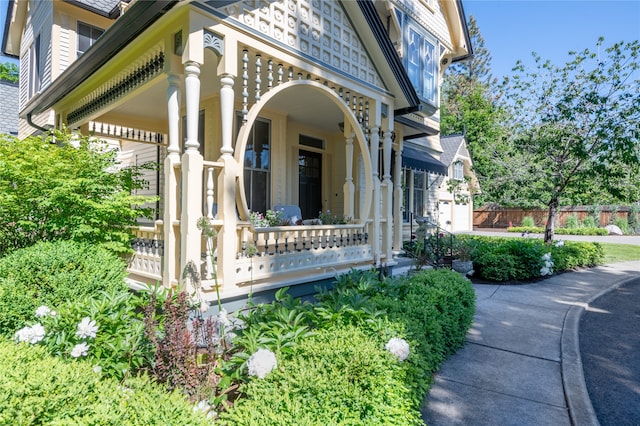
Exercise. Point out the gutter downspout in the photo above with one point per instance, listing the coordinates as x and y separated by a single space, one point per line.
34 125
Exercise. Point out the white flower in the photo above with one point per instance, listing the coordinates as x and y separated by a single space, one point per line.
204 306
43 311
546 257
547 269
32 334
222 318
87 328
97 369
398 347
261 363
23 335
559 243
81 349
544 271
205 408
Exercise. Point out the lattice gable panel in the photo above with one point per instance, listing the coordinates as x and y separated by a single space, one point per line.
319 29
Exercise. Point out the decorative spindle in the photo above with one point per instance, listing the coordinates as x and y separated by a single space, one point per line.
210 193
245 85
269 74
280 73
258 79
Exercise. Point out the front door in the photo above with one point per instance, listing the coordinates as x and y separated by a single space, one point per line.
310 178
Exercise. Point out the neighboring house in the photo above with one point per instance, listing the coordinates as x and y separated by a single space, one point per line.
9 107
247 105
456 189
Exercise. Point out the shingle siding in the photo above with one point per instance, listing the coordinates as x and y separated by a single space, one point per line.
9 108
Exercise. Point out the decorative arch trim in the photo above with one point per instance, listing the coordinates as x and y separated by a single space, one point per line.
254 111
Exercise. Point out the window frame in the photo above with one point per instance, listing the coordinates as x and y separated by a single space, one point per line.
425 78
457 170
35 63
91 37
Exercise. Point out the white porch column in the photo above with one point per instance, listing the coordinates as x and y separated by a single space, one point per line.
397 196
387 194
190 236
170 276
227 235
348 187
374 238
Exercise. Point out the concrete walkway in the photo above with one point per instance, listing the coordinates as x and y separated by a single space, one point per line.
521 363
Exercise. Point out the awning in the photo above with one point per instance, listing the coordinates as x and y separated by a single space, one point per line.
422 160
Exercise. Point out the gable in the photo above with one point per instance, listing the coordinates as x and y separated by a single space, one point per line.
319 30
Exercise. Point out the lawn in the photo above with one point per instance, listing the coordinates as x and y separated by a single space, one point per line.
620 252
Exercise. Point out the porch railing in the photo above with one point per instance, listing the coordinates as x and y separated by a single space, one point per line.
271 251
148 248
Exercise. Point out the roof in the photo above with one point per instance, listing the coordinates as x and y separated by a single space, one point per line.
451 145
108 8
142 14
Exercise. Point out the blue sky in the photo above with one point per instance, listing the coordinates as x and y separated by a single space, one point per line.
512 29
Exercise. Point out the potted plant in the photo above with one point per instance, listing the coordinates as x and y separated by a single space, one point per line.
463 253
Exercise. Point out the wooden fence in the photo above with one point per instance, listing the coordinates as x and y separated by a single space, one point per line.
499 217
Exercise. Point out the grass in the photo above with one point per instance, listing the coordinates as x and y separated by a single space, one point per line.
620 252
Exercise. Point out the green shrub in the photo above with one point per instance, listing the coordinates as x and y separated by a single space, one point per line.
36 388
332 366
573 254
588 222
633 218
572 222
51 273
623 224
339 376
504 259
581 231
528 222
528 229
67 190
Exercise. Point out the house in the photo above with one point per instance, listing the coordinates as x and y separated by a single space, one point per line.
321 105
456 189
9 107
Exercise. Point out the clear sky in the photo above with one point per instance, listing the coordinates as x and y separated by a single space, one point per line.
512 29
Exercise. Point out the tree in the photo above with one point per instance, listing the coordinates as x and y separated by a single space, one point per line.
577 125
470 107
9 72
69 190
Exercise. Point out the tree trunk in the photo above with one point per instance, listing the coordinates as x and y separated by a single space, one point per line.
550 229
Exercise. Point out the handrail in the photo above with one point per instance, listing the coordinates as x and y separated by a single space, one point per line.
439 230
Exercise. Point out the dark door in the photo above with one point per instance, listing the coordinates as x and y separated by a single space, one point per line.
310 178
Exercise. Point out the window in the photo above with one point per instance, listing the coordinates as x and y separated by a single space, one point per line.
421 62
35 78
414 193
257 166
458 170
87 35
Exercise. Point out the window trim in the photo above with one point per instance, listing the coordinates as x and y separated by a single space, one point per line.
92 28
35 64
425 38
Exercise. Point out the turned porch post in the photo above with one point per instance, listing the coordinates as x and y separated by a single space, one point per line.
374 238
397 196
387 194
348 187
170 276
192 166
227 236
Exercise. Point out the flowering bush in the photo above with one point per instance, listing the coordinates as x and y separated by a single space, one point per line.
261 363
51 274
